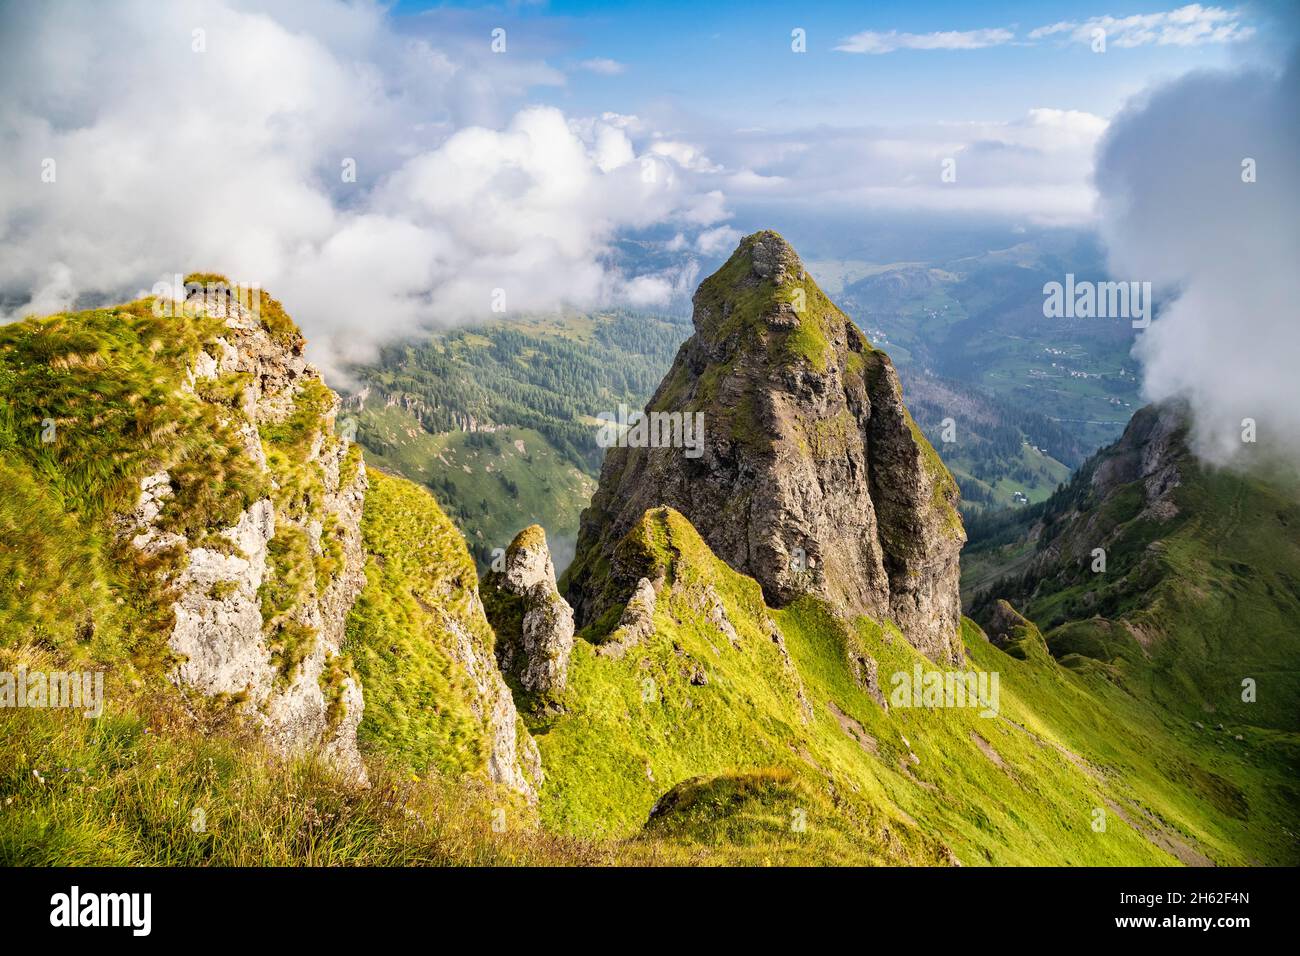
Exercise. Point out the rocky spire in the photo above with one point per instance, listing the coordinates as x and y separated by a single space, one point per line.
812 476
534 625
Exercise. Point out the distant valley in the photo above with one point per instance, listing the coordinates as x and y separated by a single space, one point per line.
499 420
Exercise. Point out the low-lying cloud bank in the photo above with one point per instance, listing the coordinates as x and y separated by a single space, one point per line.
358 173
1199 195
378 174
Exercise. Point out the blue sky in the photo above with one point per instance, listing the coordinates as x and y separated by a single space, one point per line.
733 62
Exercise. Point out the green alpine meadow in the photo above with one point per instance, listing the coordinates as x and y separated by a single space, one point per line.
522 474
759 655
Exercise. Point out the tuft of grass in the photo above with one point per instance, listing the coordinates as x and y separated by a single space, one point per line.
90 403
148 784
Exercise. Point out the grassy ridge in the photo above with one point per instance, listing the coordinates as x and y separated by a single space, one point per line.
690 748
908 786
149 785
420 584
90 403
1190 604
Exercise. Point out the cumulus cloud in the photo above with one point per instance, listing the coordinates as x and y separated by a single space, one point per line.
871 41
1176 210
1192 25
209 135
713 242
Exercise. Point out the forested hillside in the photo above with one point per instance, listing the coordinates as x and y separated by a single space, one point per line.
498 421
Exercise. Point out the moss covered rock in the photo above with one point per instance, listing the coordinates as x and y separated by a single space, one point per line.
812 476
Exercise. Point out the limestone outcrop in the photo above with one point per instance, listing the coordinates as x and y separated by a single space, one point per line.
533 623
260 604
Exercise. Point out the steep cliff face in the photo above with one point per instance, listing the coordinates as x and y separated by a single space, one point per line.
810 474
177 462
176 509
260 602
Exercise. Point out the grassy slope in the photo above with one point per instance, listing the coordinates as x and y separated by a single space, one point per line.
418 579
105 387
1066 742
148 784
122 788
1187 607
1048 474
1221 588
736 750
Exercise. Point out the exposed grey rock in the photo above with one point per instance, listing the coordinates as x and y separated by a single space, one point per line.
513 758
812 478
867 673
547 639
636 622
791 671
1003 622
1150 451
716 612
1151 458
534 624
219 635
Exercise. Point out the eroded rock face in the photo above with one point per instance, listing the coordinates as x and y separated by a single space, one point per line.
812 477
635 624
1084 537
1150 450
283 663
513 758
533 623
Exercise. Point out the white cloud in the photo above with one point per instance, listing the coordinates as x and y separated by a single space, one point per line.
603 66
714 242
686 155
170 160
1191 25
747 179
870 41
1220 252
1037 167
706 209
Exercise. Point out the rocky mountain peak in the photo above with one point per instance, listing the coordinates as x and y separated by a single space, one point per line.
812 476
1151 450
771 257
759 283
1131 484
